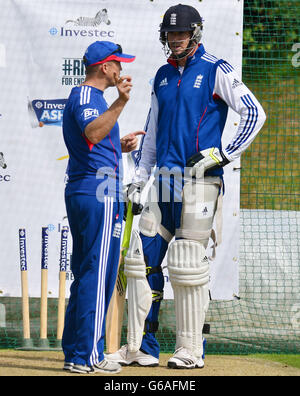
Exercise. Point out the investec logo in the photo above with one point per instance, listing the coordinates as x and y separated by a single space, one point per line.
63 261
45 248
64 253
46 111
78 27
23 261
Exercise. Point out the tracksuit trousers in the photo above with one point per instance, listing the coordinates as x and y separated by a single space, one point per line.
96 232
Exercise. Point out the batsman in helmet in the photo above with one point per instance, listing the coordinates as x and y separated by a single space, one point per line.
189 104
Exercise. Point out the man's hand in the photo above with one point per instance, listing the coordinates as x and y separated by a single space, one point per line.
129 142
211 158
134 195
96 130
124 86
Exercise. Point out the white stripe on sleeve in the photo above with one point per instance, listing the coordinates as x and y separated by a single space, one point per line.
85 95
230 88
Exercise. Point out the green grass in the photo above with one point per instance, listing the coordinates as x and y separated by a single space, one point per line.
289 360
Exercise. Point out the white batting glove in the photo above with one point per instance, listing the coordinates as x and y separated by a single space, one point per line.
210 158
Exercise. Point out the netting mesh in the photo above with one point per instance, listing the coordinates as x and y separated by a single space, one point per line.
266 315
270 174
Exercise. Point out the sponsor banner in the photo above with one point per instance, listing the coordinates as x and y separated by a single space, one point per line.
72 71
22 246
47 112
42 43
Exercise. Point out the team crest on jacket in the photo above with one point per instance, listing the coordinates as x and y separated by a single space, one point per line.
117 230
198 81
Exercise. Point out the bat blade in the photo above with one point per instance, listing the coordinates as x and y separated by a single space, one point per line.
115 313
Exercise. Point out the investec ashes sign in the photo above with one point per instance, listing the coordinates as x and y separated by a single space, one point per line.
45 249
64 248
46 111
22 243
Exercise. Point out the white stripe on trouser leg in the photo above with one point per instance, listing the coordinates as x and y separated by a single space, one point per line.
189 276
104 251
101 283
103 267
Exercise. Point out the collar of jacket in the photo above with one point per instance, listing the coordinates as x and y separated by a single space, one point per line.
191 59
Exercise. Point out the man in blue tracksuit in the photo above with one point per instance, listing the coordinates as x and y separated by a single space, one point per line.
189 104
93 202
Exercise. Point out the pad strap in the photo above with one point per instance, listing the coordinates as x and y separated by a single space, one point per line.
160 229
151 327
157 295
153 270
192 234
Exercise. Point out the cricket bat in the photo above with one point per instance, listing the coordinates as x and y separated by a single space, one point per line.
114 318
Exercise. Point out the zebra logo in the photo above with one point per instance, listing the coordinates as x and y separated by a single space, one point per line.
2 161
100 17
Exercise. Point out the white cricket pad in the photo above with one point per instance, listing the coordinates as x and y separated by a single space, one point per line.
199 203
139 292
189 275
150 222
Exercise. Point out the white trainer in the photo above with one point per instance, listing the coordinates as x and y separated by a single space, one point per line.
68 366
107 367
81 369
183 359
103 367
126 358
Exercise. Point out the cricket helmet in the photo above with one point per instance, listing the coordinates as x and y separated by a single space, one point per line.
181 18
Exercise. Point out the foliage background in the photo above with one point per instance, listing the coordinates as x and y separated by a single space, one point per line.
271 167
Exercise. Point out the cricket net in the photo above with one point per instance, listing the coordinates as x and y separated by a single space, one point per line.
265 317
